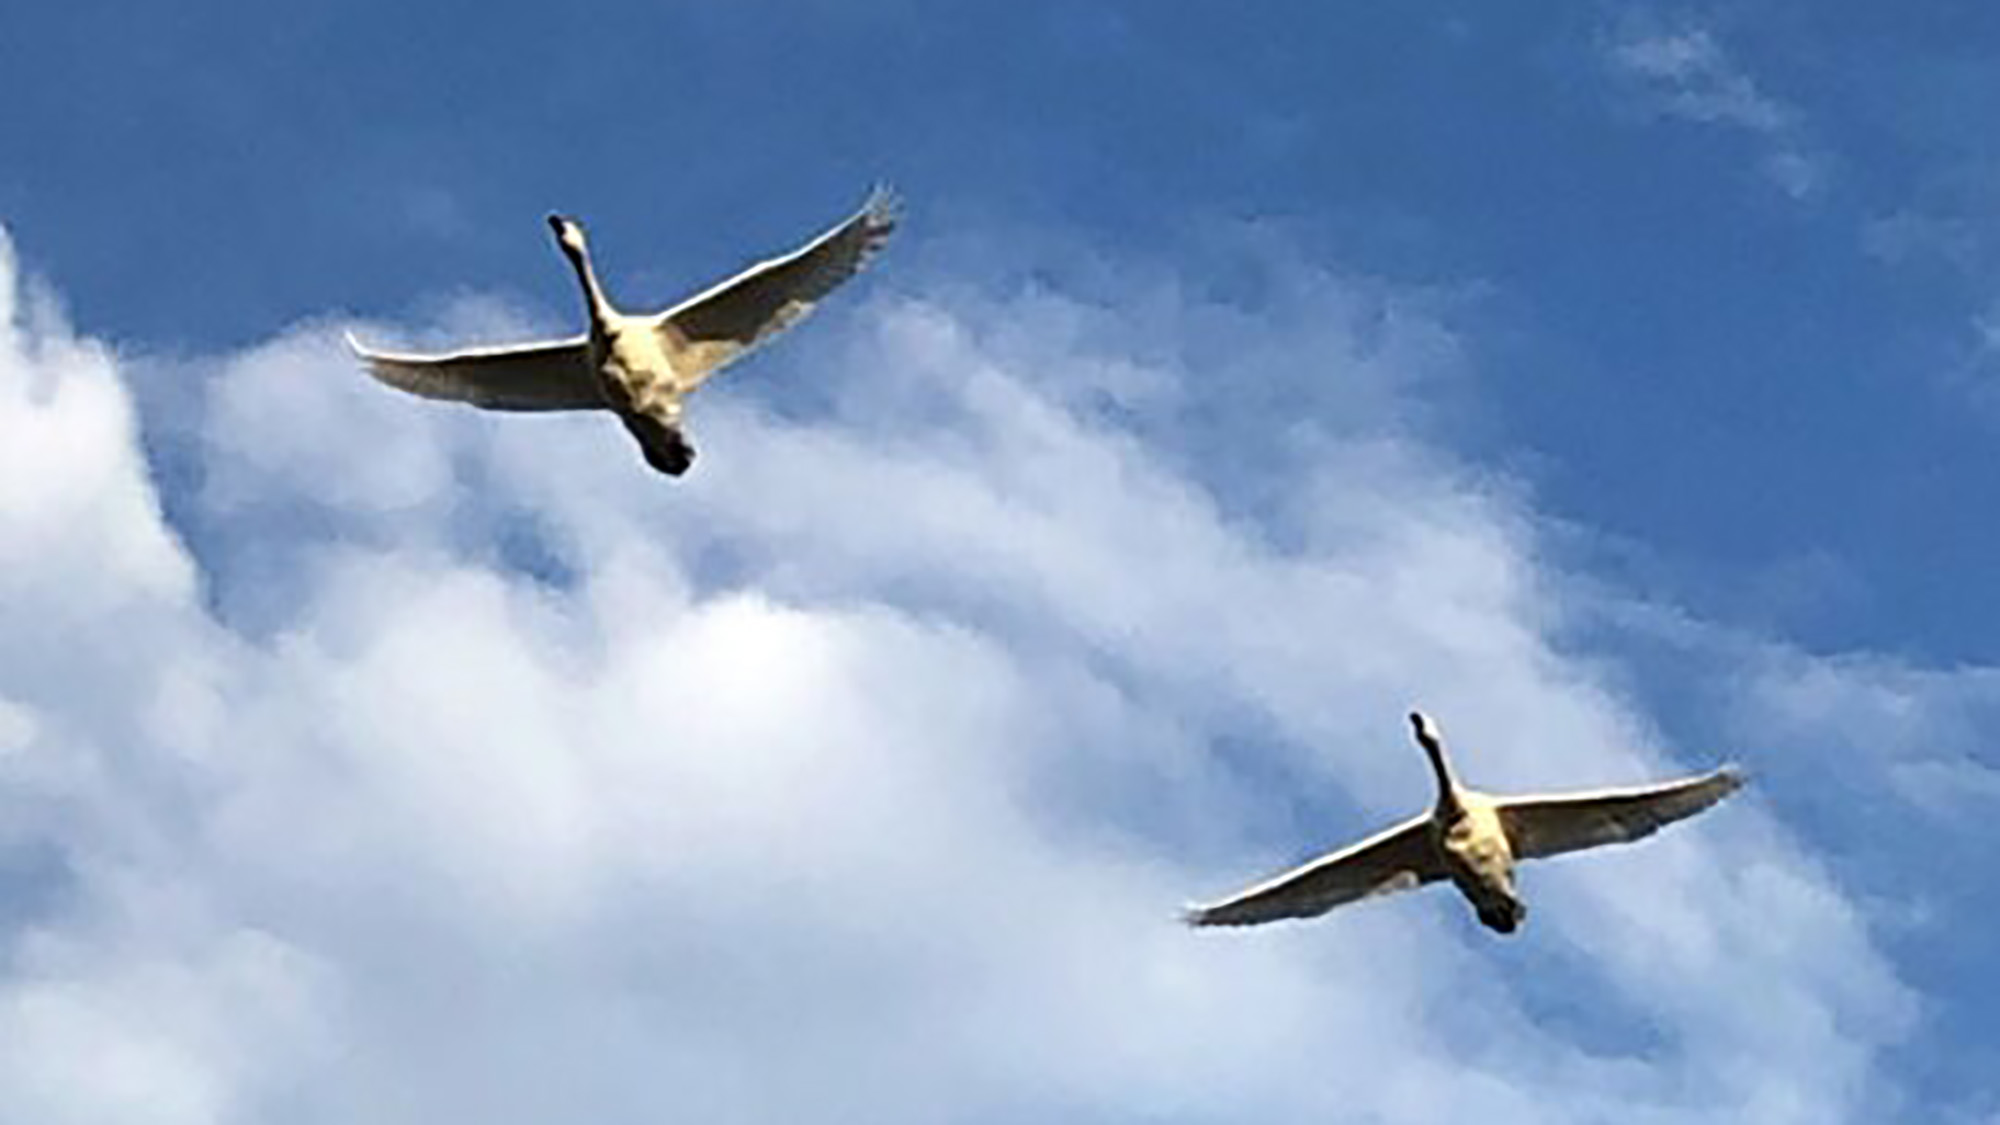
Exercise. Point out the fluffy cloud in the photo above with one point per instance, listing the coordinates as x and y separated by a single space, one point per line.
429 766
1685 73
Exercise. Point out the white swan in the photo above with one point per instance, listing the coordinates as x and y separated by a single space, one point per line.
642 367
1472 839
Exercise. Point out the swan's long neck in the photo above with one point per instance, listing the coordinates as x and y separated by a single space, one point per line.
601 312
1440 765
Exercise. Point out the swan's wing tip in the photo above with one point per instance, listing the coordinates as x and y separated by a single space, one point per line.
1217 915
1197 917
884 205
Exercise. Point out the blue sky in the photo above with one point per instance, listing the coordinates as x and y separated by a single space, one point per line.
1666 321
1615 381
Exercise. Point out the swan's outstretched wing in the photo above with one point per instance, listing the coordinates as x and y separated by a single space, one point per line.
548 376
1546 826
1395 860
707 331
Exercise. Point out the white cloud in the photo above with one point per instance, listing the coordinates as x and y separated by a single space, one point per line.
858 776
1686 73
1698 81
1920 731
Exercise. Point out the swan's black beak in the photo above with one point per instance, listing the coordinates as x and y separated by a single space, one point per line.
1426 730
558 222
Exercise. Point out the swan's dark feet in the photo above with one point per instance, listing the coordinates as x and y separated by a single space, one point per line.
672 455
667 449
1505 917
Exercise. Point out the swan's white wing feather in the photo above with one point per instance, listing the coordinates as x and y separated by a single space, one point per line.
554 375
709 330
1552 825
1393 860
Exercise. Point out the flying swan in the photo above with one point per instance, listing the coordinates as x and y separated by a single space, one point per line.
641 367
1473 839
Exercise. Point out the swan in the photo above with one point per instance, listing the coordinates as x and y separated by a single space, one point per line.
1472 839
641 367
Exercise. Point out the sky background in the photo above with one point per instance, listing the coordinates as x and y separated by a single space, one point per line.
1617 383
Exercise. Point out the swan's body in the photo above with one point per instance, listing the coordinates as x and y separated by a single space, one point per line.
1472 839
641 367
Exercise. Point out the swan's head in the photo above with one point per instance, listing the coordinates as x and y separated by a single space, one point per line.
569 232
1426 731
